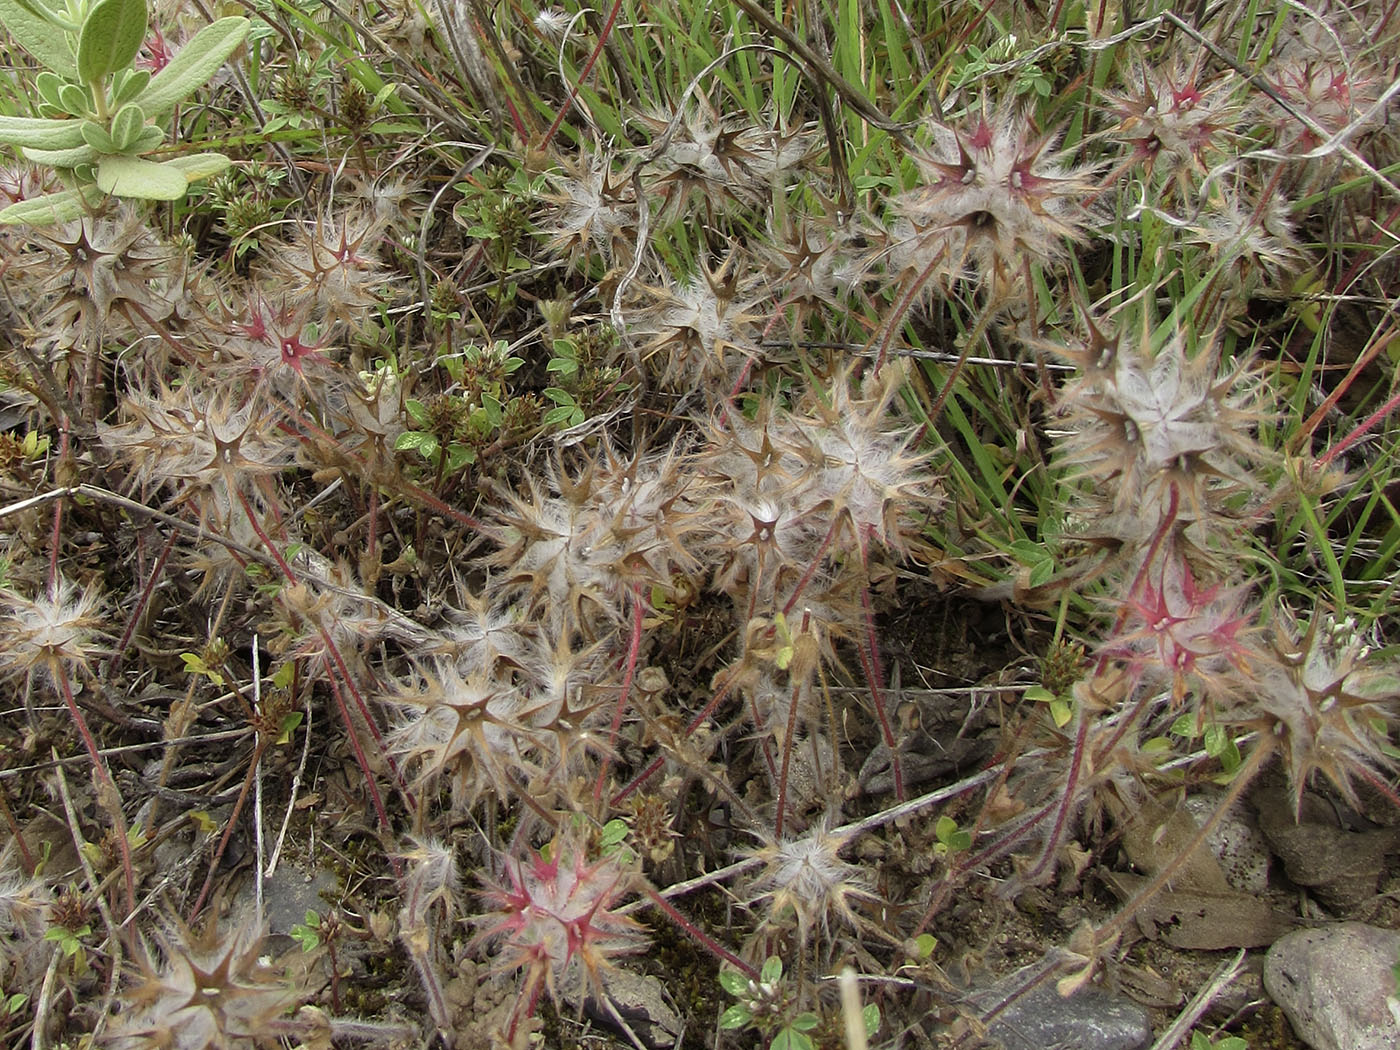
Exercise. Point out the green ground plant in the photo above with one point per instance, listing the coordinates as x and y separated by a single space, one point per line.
98 115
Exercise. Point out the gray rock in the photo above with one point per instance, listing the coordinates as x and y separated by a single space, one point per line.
637 1001
1236 841
1091 1019
288 894
1333 984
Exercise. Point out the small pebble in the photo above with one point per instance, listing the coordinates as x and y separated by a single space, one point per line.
1337 987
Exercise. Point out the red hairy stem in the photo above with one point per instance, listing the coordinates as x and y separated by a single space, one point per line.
634 646
331 649
373 523
1153 546
787 760
26 858
902 306
334 652
142 600
656 763
130 306
104 776
875 677
812 566
57 534
583 73
700 936
1068 797
1244 776
1378 342
763 743
1068 800
363 762
1004 845
1361 431
423 496
1385 789
228 831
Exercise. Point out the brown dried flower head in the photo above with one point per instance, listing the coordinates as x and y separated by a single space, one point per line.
996 196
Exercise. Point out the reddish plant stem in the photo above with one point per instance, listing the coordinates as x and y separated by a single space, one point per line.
26 858
1039 976
104 775
1125 723
129 306
363 708
335 975
700 936
583 74
1381 227
1378 343
1069 795
763 742
787 744
334 652
869 650
331 649
198 906
656 763
812 566
1154 545
373 514
1361 431
1243 777
56 536
634 646
1386 790
423 496
1068 800
1004 845
956 370
363 762
142 600
902 307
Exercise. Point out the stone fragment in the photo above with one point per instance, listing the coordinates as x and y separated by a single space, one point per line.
1091 1019
1336 986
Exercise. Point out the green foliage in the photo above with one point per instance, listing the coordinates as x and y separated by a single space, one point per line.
70 942
1061 705
1201 1041
768 1006
99 116
1216 739
586 379
950 838
308 932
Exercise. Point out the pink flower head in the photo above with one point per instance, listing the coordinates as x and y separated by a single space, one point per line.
555 917
1197 635
278 336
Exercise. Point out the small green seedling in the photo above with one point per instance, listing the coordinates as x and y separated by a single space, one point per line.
1061 705
1201 1041
308 933
196 664
768 1006
950 839
99 116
